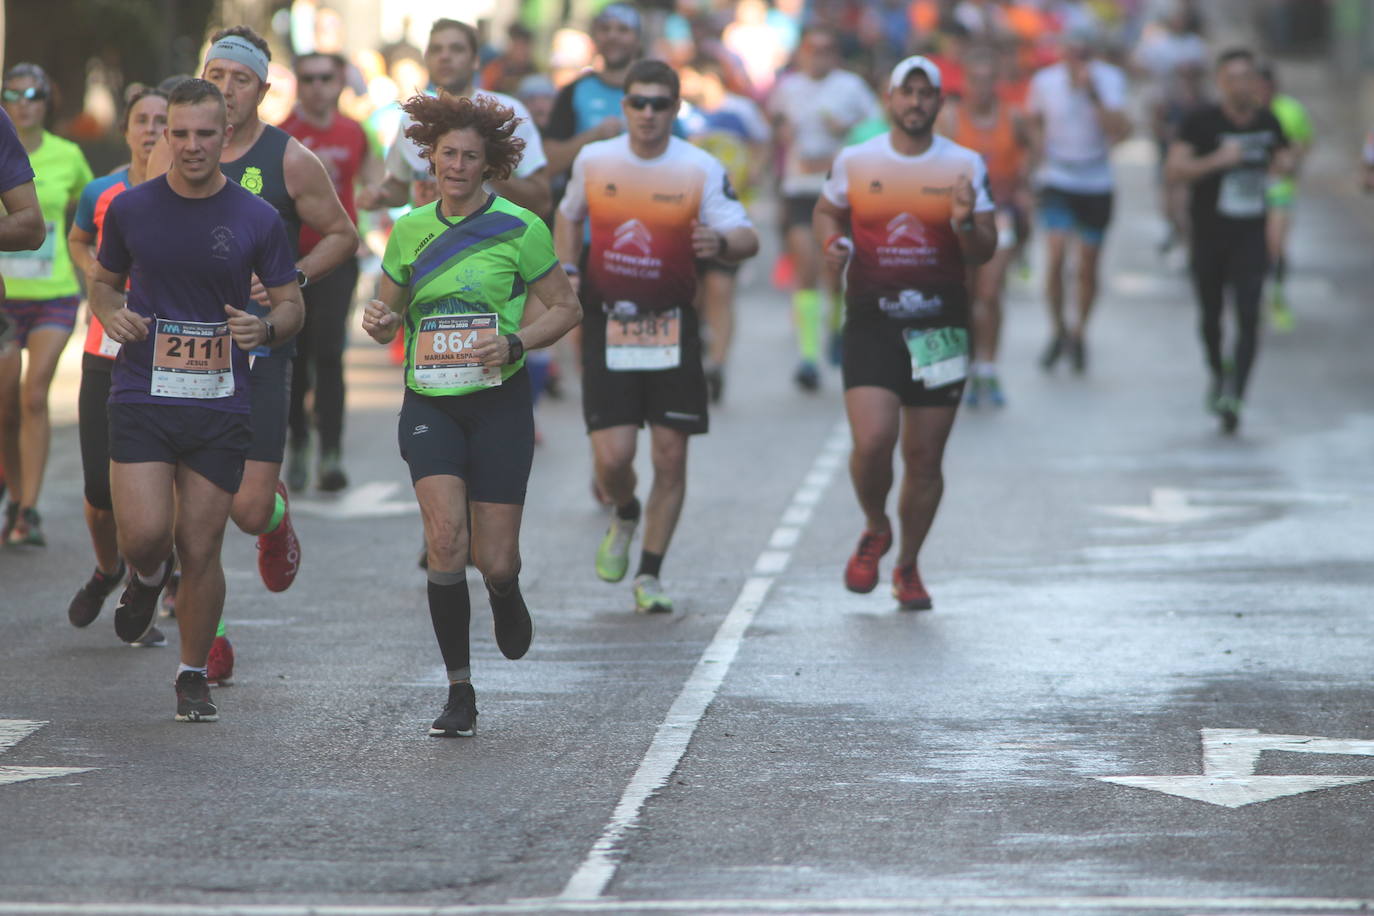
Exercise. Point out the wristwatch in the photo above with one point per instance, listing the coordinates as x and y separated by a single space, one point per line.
517 348
271 330
301 278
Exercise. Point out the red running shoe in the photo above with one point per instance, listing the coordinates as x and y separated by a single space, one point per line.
279 552
911 595
219 669
861 574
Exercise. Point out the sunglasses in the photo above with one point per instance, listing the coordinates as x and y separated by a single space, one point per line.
31 94
656 102
315 77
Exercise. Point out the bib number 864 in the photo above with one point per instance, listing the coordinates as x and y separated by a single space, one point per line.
454 341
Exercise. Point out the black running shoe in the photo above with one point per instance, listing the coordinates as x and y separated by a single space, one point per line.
153 639
514 630
1078 355
459 718
90 598
193 698
138 604
1053 351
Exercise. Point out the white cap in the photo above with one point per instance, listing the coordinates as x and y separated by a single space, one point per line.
905 68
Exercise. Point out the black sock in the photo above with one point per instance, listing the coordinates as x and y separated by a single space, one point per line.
451 613
630 511
1280 269
649 564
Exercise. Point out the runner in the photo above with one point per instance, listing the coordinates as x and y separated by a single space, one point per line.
1077 114
42 297
655 205
467 424
814 108
145 118
179 405
1227 152
732 129
342 146
452 58
21 227
1283 192
985 124
921 217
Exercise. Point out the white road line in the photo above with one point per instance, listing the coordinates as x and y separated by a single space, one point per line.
1236 905
671 738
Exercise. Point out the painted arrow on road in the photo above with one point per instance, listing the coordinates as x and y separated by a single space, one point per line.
12 731
1229 758
368 500
1168 506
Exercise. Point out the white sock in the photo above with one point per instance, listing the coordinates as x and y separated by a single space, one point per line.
181 668
156 579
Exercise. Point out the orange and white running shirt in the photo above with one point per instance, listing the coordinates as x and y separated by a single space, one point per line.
906 253
642 212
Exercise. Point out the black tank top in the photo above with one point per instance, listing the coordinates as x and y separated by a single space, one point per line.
262 170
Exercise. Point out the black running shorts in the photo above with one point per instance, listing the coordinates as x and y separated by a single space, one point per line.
213 443
797 209
675 398
486 438
93 428
270 397
876 355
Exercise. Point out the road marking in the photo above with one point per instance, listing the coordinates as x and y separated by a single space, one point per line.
1236 905
12 731
1229 759
670 741
368 500
1168 506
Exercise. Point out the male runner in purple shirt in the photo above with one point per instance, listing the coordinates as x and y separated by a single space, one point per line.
189 244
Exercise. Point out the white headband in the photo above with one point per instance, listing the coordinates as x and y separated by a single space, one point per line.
240 51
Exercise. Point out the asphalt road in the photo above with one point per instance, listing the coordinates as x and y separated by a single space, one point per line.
1119 592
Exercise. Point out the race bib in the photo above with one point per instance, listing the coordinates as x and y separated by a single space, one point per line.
444 351
108 345
1241 195
639 343
31 265
192 359
938 357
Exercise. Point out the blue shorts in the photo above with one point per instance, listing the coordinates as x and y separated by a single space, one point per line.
29 315
1086 215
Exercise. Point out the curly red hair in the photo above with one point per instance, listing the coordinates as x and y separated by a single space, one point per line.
495 123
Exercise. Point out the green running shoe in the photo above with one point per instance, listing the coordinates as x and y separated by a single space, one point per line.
613 556
650 597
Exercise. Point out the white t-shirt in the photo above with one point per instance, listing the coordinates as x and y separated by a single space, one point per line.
803 103
1076 146
404 162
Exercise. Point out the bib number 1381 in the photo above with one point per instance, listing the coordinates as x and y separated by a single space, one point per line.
939 357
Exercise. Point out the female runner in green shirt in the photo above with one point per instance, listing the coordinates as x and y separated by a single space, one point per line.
456 275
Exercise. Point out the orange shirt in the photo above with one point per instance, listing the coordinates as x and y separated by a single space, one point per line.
999 146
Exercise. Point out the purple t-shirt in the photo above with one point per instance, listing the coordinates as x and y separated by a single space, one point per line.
14 159
187 257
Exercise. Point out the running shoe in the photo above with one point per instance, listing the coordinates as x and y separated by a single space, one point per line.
279 552
193 698
298 466
1078 355
459 718
219 667
1280 315
973 394
911 595
834 348
613 556
27 530
330 474
169 594
993 389
90 598
650 597
861 573
153 639
715 384
807 376
134 613
511 620
1055 349
1228 408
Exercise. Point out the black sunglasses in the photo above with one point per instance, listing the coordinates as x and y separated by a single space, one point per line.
656 102
315 77
32 94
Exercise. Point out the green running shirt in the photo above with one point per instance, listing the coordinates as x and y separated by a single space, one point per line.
60 173
481 263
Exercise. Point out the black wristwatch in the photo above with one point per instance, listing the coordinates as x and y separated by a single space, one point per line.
301 278
271 330
517 348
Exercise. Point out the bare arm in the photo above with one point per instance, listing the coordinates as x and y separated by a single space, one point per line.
390 191
318 206
1184 164
81 244
531 192
977 232
107 304
561 153
22 228
830 226
562 313
735 245
567 240
382 316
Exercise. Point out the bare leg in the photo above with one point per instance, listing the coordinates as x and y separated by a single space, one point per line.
35 431
104 538
669 450
924 433
1088 255
873 422
613 457
257 496
1056 248
144 509
202 511
11 359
